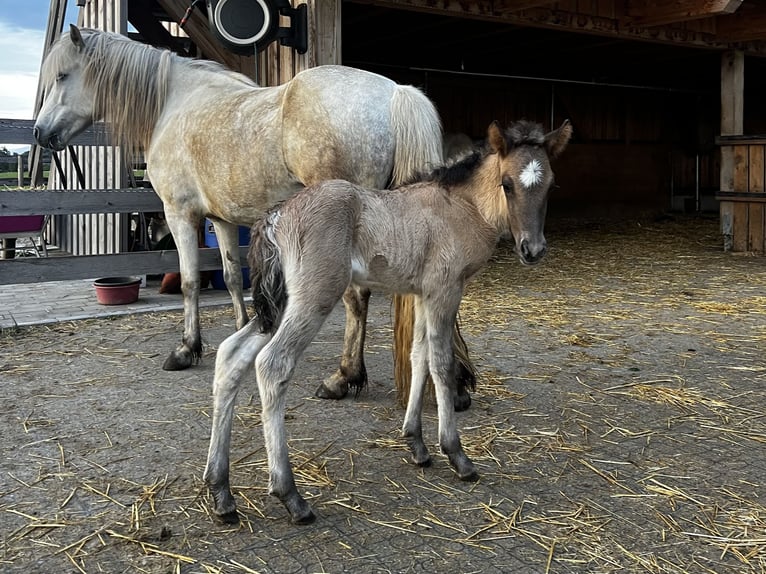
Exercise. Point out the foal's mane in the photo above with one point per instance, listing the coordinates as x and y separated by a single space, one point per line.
518 134
128 79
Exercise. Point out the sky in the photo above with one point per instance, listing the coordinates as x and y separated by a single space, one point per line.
22 34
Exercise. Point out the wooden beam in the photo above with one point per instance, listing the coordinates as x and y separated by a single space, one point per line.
40 270
745 25
556 17
506 6
198 29
648 13
67 202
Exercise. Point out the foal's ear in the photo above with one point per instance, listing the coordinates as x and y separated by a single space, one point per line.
76 37
496 139
557 140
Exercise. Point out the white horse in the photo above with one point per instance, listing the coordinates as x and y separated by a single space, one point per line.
218 146
425 240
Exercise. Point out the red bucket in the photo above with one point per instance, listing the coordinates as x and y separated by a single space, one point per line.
117 290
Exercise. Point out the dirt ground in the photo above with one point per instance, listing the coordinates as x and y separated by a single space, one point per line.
618 426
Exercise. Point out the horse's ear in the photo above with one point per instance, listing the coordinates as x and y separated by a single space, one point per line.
557 140
76 37
496 139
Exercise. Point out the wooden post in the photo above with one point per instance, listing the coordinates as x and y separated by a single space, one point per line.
20 169
732 119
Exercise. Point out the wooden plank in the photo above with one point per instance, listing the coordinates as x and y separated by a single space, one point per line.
757 223
61 202
20 132
741 168
732 92
755 170
662 12
324 33
33 270
740 227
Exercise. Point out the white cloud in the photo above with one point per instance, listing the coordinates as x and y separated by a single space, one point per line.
19 68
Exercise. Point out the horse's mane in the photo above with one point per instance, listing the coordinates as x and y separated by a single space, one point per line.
520 133
129 80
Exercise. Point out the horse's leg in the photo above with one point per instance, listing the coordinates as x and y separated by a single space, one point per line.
412 429
274 367
228 243
352 373
235 359
440 318
184 226
465 373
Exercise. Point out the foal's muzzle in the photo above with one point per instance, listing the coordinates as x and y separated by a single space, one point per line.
532 253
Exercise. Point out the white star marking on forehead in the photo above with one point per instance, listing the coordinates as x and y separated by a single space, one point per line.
532 174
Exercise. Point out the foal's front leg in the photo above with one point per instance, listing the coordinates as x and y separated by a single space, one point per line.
412 429
439 327
352 373
235 359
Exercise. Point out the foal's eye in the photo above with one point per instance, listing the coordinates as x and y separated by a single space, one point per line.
507 185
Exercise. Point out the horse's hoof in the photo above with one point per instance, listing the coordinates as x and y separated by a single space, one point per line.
336 387
462 401
177 362
470 476
304 518
228 517
422 462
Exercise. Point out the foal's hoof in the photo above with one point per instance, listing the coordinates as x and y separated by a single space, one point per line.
228 517
462 401
306 518
177 361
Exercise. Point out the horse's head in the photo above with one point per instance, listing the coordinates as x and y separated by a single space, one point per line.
523 157
68 108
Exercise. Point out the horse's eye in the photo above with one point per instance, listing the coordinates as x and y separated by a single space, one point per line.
507 185
61 77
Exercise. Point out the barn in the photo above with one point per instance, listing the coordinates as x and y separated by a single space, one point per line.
663 94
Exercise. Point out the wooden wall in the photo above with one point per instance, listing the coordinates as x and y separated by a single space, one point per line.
633 150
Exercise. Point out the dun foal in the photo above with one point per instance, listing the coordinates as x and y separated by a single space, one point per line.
426 239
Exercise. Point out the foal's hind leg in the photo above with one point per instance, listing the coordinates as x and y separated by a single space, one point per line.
439 319
235 359
352 373
274 367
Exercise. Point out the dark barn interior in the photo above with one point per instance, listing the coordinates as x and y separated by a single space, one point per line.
645 114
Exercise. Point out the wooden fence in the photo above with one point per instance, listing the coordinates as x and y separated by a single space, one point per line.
17 201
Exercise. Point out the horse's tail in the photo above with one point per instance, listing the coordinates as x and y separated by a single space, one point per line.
266 273
418 136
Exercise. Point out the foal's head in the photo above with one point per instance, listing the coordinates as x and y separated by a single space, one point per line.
523 153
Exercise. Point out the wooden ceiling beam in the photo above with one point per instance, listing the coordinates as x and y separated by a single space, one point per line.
746 25
199 31
554 18
507 6
648 13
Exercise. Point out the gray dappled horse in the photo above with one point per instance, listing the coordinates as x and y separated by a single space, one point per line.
219 146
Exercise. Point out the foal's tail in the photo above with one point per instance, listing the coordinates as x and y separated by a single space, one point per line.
266 274
418 135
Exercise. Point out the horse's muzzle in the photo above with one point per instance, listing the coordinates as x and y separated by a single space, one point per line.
52 140
532 254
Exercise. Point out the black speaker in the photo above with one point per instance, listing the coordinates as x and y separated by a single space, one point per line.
245 26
